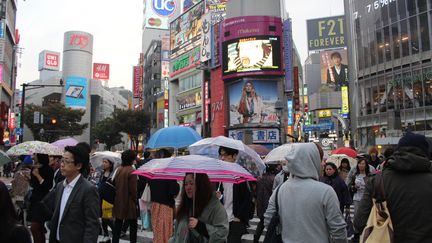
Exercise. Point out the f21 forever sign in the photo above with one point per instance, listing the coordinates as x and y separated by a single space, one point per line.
326 33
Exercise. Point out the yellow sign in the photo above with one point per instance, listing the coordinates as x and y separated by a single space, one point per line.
345 102
324 113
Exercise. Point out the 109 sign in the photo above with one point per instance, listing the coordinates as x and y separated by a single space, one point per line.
164 8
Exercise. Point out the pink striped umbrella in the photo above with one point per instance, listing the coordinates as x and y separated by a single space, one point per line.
175 168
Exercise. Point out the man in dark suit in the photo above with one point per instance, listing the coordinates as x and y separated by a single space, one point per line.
75 202
338 73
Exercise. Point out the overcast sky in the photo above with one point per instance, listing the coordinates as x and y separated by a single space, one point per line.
116 29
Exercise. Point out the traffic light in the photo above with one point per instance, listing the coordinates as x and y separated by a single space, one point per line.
53 121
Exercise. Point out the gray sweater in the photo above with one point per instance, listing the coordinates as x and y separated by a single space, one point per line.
309 210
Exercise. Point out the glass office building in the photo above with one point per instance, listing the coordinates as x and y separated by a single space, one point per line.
390 50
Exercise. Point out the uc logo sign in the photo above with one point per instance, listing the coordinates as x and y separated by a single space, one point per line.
163 8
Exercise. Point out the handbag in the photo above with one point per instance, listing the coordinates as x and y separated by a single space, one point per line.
107 189
350 225
146 219
146 196
379 227
273 234
107 210
195 237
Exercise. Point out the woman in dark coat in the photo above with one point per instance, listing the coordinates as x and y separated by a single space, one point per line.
41 181
332 178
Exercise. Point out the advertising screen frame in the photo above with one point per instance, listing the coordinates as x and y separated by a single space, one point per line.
265 103
276 62
76 92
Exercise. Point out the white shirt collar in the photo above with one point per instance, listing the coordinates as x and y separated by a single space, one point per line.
72 183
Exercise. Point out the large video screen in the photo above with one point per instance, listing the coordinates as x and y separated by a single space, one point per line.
261 53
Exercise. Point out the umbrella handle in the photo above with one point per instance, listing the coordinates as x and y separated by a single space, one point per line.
193 197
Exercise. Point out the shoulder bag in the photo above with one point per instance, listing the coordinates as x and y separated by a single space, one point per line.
107 189
273 234
379 227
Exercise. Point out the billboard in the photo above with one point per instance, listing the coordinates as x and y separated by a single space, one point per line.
217 10
187 4
190 100
290 112
76 92
334 69
157 13
288 58
185 62
251 54
100 71
326 33
185 31
251 45
49 60
78 40
345 102
253 102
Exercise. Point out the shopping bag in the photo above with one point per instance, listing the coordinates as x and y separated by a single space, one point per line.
146 196
146 219
107 210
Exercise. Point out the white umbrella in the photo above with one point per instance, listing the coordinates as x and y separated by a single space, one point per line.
34 147
247 157
337 158
96 159
277 154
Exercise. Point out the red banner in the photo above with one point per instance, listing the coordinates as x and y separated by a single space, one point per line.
296 89
100 71
136 80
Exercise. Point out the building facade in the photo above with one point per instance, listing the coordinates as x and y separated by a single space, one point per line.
391 59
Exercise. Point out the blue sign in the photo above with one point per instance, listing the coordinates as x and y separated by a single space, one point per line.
19 131
164 8
2 29
290 112
288 58
76 92
323 126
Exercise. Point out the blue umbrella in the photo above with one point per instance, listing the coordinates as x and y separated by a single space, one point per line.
173 137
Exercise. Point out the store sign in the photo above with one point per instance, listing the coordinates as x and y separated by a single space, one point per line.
136 80
326 33
11 122
185 62
164 8
296 89
100 71
345 102
157 13
49 60
205 38
266 135
324 113
217 9
322 126
287 47
206 101
290 112
190 101
77 40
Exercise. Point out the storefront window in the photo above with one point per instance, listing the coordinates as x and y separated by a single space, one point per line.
396 41
414 35
428 91
424 32
404 38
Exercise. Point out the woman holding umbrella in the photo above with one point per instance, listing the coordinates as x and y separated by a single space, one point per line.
203 220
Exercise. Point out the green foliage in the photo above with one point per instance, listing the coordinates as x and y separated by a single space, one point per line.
107 132
132 122
66 121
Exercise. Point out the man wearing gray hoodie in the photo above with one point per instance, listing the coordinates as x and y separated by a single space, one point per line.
308 209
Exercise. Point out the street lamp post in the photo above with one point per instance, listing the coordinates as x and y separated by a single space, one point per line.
279 108
32 86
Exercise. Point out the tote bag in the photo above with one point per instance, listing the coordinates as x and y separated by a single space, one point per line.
379 227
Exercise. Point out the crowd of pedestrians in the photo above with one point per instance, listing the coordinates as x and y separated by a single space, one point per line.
313 198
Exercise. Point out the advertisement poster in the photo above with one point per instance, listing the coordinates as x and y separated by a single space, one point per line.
345 102
326 33
260 53
186 30
157 13
76 92
187 4
100 71
217 10
334 68
253 102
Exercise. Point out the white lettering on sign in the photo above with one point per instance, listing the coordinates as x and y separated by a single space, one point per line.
51 60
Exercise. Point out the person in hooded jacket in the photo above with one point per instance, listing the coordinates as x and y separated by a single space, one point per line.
407 177
308 209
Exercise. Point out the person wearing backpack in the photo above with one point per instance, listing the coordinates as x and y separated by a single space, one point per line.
407 179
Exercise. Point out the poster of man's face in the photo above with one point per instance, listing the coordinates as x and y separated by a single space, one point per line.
334 68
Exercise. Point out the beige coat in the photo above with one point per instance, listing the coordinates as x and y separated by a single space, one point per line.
126 193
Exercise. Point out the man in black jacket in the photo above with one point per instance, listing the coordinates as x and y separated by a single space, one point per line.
237 200
407 177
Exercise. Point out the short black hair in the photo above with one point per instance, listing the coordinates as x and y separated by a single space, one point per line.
147 154
336 54
42 159
228 151
79 155
163 153
128 157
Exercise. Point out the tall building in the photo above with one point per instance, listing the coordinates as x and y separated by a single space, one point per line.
390 55
9 40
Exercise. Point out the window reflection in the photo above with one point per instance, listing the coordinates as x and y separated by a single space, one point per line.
396 41
401 9
411 6
387 43
381 46
424 32
422 5
404 38
414 35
